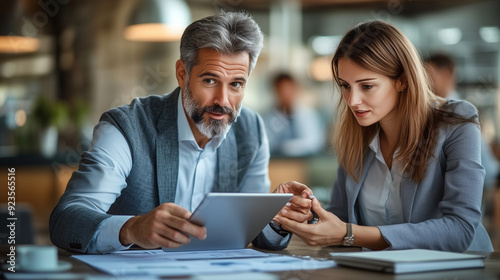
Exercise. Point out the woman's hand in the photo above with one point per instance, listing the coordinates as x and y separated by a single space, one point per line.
298 209
329 230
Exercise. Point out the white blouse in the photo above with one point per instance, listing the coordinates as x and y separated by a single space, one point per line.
380 195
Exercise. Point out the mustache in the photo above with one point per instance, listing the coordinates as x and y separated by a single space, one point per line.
217 109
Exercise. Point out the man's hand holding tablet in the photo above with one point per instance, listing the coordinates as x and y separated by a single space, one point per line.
167 226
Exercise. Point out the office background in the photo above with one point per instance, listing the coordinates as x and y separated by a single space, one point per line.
82 60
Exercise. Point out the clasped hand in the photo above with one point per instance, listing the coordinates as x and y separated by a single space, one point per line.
328 230
298 209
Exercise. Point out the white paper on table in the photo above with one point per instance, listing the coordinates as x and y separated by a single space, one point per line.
195 255
157 262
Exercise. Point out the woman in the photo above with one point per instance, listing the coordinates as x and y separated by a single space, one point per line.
410 174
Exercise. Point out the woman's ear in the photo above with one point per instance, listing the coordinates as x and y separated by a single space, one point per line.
180 73
402 83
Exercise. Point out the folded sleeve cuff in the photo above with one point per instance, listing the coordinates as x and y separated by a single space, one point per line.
275 238
107 237
269 239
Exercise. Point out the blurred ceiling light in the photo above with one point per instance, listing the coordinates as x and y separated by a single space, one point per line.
27 66
450 36
12 37
490 34
325 45
320 70
18 44
158 21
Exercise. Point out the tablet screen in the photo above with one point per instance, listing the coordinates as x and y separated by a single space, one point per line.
233 220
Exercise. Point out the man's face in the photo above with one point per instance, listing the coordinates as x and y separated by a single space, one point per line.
212 98
443 80
287 92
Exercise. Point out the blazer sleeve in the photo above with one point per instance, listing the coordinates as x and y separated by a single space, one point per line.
452 226
91 190
339 201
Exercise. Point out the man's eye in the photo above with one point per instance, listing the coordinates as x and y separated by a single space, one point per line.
209 81
237 84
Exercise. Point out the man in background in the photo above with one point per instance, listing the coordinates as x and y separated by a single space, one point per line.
293 127
441 69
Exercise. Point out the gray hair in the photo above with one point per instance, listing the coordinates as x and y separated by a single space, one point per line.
227 33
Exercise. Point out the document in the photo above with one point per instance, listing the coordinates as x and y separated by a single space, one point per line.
406 261
160 263
196 255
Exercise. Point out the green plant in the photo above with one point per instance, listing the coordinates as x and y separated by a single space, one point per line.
48 113
79 113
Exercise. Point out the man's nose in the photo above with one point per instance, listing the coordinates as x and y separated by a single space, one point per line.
221 97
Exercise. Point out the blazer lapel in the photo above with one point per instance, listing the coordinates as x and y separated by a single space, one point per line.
408 191
353 188
167 149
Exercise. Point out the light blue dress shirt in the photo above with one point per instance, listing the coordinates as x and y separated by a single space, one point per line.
300 134
380 196
197 171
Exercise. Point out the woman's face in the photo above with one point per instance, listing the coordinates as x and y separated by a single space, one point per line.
371 96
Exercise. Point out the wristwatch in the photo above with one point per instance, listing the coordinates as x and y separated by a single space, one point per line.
349 238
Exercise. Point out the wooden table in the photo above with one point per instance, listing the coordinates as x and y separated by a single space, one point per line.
297 247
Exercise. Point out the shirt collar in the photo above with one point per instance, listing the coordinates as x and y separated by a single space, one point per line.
184 130
375 147
375 144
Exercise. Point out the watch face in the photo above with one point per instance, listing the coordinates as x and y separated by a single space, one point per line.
348 241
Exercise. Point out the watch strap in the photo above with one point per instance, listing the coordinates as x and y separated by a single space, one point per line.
349 238
349 229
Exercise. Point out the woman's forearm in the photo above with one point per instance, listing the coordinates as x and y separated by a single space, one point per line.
368 237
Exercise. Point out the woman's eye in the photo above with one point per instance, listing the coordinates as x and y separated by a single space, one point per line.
345 86
367 86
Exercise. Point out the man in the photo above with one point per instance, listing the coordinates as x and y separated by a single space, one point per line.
441 70
151 162
293 128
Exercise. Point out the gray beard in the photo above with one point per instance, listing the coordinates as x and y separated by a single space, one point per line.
214 128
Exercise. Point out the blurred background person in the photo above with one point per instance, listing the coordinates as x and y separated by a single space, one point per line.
441 70
294 128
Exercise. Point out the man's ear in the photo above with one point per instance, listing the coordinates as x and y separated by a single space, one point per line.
180 73
402 83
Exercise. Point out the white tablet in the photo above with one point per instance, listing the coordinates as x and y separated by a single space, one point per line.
233 220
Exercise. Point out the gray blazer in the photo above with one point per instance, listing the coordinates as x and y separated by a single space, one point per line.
442 212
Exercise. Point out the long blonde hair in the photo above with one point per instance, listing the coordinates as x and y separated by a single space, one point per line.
382 48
